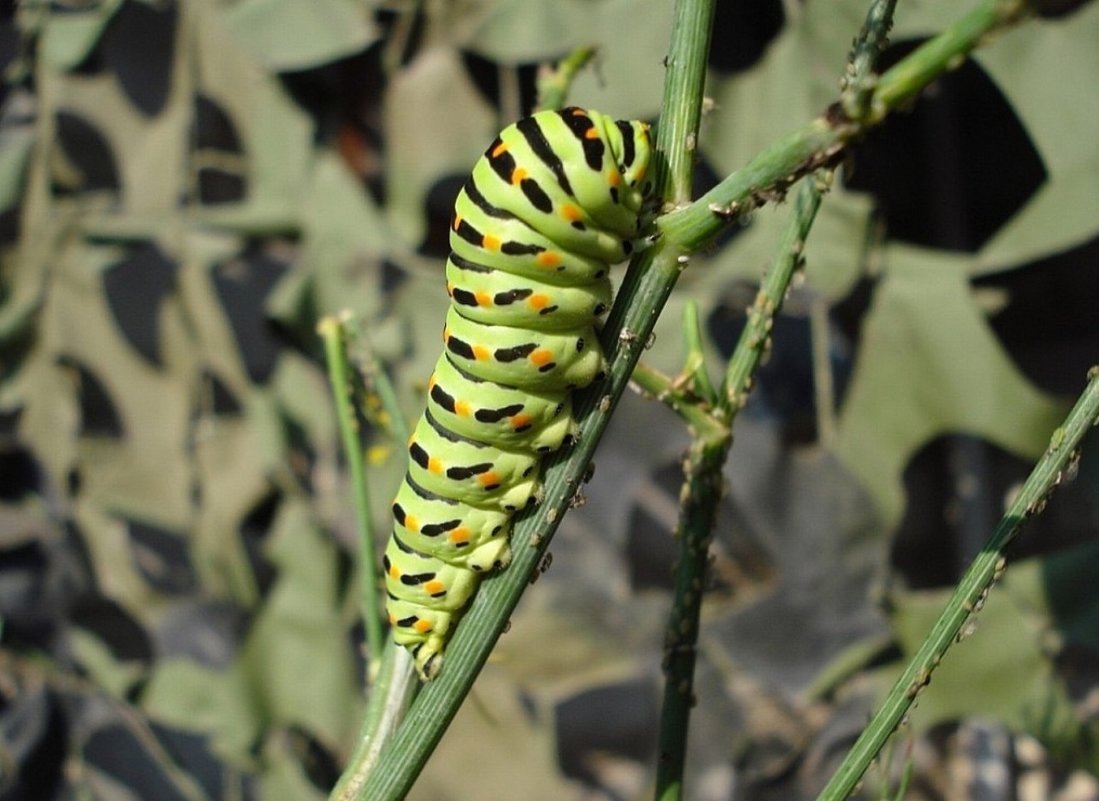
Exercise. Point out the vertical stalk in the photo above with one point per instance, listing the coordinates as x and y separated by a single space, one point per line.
704 482
333 333
969 596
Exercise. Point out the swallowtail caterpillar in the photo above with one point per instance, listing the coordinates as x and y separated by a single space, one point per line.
551 205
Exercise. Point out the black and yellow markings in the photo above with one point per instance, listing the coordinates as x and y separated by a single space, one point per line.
535 229
512 412
536 138
483 472
582 127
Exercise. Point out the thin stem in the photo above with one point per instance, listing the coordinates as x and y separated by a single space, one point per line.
822 140
392 690
858 80
907 78
704 481
969 596
377 380
756 336
703 468
333 334
684 403
677 134
704 484
554 83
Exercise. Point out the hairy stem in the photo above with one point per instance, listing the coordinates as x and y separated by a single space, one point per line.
969 596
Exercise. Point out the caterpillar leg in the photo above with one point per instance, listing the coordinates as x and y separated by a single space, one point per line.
423 632
424 595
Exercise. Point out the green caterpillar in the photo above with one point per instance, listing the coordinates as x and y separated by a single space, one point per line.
554 201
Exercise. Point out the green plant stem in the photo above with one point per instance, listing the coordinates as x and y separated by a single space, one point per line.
376 379
970 593
681 110
702 423
756 336
554 83
390 693
704 480
907 78
859 79
333 333
704 483
822 140
706 458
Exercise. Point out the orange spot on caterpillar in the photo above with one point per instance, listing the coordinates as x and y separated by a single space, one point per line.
459 536
446 334
412 523
548 258
499 149
490 242
591 133
435 465
481 353
422 626
483 299
518 175
570 212
392 619
394 573
614 177
457 221
538 301
519 421
489 479
435 587
462 408
541 357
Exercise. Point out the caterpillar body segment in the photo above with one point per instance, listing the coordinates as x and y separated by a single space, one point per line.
521 357
496 297
456 533
551 205
512 418
470 472
426 580
509 244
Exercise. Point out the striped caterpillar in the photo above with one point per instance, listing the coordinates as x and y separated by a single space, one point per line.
551 205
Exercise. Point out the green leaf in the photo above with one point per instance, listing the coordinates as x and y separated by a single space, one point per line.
1059 116
437 124
67 38
287 35
1006 667
345 241
929 365
630 36
16 146
295 666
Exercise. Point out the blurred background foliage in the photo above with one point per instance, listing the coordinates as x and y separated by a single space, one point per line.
186 187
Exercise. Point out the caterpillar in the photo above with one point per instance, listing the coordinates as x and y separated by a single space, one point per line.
554 202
